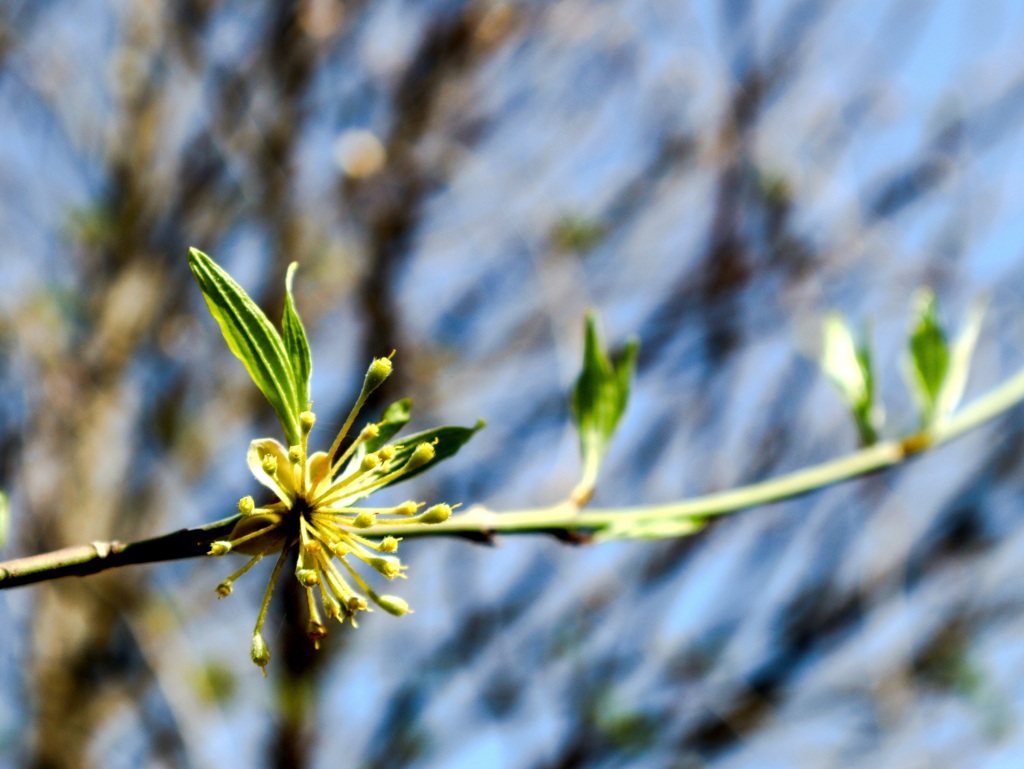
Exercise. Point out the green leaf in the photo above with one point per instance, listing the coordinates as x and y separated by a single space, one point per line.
839 359
849 365
252 338
598 402
928 360
296 344
446 442
960 361
395 417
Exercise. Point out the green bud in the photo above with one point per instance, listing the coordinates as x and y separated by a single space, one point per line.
370 462
437 514
356 603
269 464
306 421
315 631
379 370
331 607
260 653
220 547
389 567
422 454
295 453
389 545
392 604
307 577
364 520
246 505
224 589
407 508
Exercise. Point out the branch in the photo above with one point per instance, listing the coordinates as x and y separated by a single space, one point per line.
564 520
82 560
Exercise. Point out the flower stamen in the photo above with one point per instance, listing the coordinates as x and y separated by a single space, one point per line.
378 371
224 588
260 652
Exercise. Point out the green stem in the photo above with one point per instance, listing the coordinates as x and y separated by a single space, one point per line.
565 518
262 616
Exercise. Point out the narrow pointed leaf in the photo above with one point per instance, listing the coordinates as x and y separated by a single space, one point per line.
928 361
869 414
839 359
848 364
960 361
625 367
395 417
598 402
446 442
296 344
252 338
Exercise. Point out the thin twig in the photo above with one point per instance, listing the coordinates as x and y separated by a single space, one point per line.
564 520
82 560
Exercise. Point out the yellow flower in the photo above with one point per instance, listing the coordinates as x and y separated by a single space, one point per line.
315 511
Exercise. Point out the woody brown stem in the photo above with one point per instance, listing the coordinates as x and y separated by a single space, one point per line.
94 557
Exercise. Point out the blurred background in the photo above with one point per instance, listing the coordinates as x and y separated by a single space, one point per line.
461 181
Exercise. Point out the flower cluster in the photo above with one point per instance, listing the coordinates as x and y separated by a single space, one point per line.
315 512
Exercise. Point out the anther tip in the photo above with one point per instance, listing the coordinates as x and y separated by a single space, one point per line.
260 652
